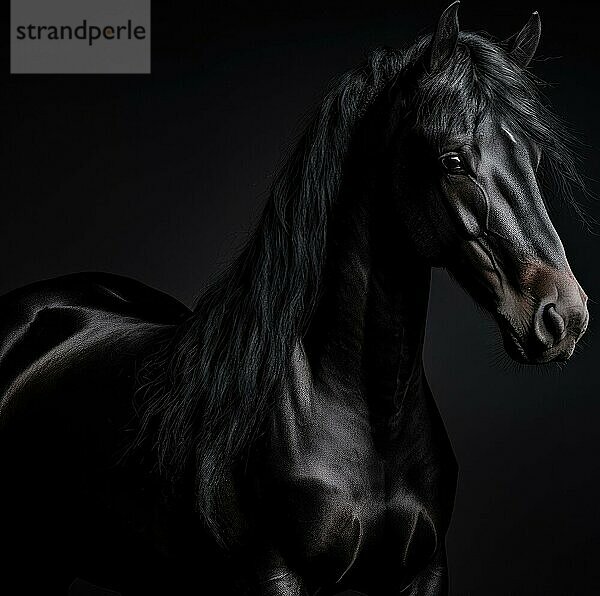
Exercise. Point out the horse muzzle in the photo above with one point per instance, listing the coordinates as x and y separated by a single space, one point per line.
558 319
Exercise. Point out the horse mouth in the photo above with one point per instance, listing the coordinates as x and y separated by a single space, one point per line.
518 346
513 345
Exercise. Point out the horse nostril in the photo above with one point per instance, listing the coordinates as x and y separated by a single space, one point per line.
553 322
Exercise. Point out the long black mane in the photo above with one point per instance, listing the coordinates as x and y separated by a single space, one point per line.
207 393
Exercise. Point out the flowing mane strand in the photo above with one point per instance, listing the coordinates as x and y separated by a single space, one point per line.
207 392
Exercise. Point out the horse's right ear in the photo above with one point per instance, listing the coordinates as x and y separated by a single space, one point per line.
524 44
445 37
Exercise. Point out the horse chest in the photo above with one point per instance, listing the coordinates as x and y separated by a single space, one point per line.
334 502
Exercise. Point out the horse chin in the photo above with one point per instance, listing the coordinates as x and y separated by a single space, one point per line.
514 348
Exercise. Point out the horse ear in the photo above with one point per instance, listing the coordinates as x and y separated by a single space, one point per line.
445 37
525 43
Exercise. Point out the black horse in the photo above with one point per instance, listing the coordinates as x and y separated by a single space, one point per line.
281 439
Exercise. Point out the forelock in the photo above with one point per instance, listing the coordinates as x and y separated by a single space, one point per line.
482 81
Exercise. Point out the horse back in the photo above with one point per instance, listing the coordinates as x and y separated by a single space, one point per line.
86 326
70 352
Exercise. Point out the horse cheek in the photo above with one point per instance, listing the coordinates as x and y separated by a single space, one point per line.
466 210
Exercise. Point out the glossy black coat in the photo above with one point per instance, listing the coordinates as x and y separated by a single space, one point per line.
349 485
344 502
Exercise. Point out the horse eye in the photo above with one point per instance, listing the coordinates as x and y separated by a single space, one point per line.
453 164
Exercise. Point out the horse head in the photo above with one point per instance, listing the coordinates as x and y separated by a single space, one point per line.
478 143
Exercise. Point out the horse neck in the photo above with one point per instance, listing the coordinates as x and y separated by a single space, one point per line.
368 328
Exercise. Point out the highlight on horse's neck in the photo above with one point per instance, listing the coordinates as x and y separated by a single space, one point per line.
234 353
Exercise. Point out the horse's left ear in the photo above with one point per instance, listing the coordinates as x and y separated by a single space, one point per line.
524 44
445 37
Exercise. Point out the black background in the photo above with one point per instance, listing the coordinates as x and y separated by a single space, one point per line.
161 176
